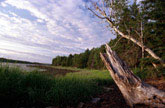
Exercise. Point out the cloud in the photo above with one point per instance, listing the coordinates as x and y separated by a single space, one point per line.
49 27
6 53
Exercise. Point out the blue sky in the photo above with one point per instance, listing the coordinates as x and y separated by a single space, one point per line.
39 30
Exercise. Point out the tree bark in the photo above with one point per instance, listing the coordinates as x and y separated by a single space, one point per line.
134 90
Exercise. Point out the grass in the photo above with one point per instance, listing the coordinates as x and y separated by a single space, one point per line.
34 89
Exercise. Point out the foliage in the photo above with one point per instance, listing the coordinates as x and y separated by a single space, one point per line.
34 89
88 59
153 14
150 72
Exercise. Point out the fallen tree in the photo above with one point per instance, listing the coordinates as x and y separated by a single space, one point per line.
134 90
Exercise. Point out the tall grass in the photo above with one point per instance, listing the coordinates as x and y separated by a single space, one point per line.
34 89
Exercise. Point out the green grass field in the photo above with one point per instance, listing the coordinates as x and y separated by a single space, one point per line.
28 89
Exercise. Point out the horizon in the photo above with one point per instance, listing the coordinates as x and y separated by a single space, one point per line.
38 31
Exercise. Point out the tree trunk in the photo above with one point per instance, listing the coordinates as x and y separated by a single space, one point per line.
134 90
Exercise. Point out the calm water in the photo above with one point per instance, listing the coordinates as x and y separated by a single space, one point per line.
24 67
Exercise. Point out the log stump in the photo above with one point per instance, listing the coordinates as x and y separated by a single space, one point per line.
133 89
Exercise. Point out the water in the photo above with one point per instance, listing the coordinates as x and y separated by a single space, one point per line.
25 67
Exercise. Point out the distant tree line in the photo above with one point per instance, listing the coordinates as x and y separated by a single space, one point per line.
87 59
16 61
145 22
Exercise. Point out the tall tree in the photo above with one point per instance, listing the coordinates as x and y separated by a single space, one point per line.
154 17
115 12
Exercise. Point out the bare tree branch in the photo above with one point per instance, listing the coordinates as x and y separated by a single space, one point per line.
96 14
137 33
117 42
121 33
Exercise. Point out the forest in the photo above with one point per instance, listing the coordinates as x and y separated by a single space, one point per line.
126 72
145 23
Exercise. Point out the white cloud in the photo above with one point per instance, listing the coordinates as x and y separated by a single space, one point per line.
60 27
3 4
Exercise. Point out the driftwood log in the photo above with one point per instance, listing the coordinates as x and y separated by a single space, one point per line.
133 89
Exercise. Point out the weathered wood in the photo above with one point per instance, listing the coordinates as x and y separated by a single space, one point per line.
134 90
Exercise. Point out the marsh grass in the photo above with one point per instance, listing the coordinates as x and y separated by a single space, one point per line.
34 89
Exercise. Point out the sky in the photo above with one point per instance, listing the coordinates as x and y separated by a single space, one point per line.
39 30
